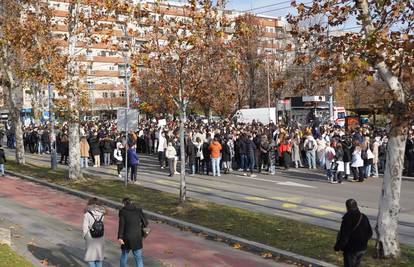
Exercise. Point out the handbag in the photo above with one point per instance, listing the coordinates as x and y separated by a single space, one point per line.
145 230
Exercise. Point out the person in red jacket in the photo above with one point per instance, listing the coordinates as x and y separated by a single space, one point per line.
285 150
215 149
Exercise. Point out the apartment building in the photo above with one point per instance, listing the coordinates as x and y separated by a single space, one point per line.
106 68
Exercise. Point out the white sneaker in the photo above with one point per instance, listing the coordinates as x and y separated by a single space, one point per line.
218 174
176 173
119 175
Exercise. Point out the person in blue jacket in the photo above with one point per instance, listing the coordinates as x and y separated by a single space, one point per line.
133 161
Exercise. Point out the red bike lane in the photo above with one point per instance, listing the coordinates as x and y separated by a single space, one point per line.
169 245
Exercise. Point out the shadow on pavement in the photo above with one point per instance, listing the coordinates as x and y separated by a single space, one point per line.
60 256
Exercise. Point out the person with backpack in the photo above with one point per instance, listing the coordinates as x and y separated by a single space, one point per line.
93 232
310 148
133 227
354 234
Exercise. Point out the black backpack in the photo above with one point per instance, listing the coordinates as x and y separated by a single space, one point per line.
97 229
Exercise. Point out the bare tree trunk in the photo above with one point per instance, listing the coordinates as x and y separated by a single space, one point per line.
73 96
74 152
18 135
389 202
183 187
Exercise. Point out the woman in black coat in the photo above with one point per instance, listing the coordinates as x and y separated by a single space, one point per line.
131 222
191 152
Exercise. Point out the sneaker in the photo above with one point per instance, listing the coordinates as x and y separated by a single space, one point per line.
119 175
334 182
162 167
218 175
244 174
176 173
253 175
240 170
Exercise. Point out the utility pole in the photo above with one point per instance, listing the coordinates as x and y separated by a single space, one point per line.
53 156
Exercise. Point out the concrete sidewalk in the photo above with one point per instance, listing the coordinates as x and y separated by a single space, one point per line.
45 226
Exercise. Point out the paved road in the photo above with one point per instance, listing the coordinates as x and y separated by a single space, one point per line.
46 227
298 193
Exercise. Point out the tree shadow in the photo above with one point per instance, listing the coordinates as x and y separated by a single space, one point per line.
60 256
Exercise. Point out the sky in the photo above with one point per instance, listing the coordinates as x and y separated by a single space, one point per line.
243 5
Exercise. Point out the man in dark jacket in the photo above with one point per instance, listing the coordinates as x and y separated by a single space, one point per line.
354 235
409 153
131 222
2 160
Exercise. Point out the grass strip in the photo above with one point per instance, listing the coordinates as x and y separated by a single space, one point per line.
10 258
295 236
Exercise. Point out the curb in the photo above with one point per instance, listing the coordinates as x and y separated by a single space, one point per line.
209 233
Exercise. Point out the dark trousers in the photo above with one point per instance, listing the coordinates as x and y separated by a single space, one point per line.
358 173
410 168
197 164
161 158
119 167
243 162
250 160
133 175
353 259
205 166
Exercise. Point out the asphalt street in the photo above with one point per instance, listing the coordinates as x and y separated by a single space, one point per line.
300 194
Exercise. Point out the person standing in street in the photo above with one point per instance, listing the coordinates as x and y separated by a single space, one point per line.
310 146
215 150
170 154
133 161
93 234
409 152
2 160
84 152
354 234
119 159
131 222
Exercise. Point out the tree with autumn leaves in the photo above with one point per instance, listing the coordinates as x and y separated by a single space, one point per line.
382 48
179 61
27 56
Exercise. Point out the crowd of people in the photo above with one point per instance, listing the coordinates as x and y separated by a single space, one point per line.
225 146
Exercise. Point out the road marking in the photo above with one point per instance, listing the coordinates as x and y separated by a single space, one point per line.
333 207
276 182
295 184
289 205
256 198
289 199
318 212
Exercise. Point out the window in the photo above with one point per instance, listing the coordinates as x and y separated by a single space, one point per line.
122 94
113 95
105 95
111 68
112 53
102 53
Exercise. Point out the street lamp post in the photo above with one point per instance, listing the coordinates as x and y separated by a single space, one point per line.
127 107
53 156
268 90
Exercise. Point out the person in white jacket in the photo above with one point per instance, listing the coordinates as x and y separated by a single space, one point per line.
357 164
95 246
329 158
171 154
119 158
162 145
